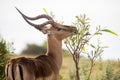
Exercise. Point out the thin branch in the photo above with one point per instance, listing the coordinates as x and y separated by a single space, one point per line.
69 49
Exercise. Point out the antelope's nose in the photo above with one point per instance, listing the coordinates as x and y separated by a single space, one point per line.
74 30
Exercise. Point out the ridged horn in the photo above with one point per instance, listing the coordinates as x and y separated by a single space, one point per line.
38 26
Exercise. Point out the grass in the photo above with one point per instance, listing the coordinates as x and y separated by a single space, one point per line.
103 70
67 65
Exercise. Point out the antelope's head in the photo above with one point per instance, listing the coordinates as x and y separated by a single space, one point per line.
50 27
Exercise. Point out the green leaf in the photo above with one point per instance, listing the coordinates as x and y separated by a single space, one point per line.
88 19
98 33
45 10
92 46
83 48
79 20
109 31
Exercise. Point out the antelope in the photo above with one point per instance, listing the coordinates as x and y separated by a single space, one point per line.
42 67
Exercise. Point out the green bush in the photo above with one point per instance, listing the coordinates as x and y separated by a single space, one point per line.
3 58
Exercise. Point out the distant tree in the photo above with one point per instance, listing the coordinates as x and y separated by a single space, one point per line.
34 49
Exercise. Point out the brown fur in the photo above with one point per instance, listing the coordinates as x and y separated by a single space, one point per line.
43 66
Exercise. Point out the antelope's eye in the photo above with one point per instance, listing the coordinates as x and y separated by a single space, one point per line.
59 29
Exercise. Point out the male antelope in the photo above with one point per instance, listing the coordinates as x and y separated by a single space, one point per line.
43 67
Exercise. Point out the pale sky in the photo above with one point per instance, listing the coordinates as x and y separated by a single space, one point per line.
101 12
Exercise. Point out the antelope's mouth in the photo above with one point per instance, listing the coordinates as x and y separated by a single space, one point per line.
75 31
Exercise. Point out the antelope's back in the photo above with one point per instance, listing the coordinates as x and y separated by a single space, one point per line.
40 68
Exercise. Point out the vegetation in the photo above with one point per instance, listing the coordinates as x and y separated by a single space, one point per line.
33 49
80 44
4 50
102 70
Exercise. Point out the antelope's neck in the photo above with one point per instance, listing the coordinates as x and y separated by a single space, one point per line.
54 49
